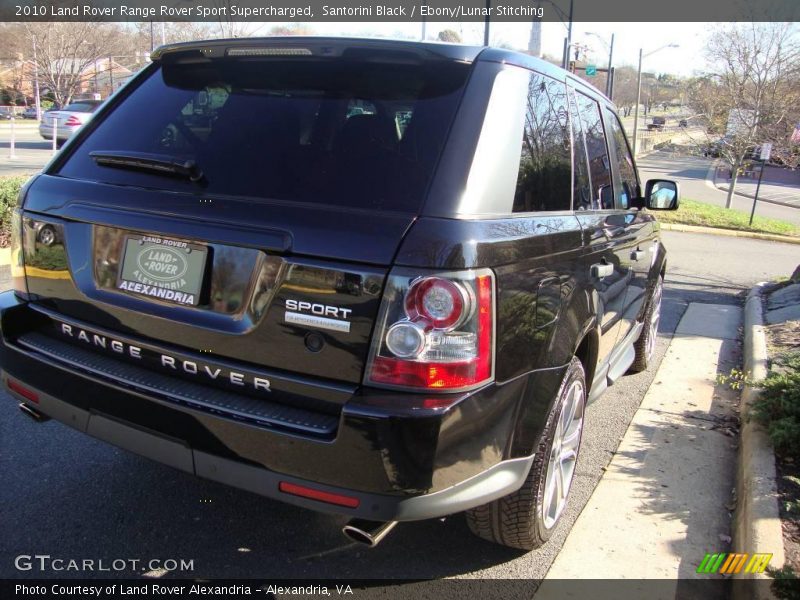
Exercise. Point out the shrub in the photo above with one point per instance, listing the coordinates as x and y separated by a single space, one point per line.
51 258
778 407
9 190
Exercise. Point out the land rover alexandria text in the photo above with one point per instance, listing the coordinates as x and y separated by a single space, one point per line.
376 278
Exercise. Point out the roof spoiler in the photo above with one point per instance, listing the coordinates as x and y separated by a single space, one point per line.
324 47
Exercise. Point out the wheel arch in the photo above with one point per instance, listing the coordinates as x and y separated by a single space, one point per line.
586 351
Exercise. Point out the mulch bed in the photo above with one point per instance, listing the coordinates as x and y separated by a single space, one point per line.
783 338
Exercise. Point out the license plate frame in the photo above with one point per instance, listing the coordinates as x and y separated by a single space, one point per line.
162 269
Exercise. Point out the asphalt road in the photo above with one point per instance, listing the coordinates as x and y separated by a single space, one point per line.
690 172
67 495
32 152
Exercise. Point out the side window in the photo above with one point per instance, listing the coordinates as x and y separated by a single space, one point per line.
629 186
582 183
545 169
596 149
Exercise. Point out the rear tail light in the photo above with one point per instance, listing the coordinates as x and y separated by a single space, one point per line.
435 332
73 121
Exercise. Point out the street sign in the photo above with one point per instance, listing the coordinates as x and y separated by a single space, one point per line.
766 149
591 70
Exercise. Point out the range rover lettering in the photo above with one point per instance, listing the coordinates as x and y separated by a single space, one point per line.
381 279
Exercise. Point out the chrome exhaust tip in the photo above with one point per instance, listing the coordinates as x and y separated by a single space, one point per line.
369 533
33 413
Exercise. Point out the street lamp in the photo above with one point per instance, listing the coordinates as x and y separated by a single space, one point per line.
639 91
610 48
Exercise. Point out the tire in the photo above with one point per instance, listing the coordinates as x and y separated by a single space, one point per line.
646 344
526 519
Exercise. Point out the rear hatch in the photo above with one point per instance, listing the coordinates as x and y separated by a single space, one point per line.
240 205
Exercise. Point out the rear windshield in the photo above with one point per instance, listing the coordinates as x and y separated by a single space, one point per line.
86 107
341 132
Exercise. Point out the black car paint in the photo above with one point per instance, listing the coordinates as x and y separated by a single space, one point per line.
549 307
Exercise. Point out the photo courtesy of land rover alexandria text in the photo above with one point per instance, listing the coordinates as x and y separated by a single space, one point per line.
381 279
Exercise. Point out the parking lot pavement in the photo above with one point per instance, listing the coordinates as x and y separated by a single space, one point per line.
694 174
665 498
778 193
75 497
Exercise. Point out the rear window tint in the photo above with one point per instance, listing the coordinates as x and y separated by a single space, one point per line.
82 107
340 132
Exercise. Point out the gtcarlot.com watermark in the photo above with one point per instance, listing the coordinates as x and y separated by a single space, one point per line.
45 563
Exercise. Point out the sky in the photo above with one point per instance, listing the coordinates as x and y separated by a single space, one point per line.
629 38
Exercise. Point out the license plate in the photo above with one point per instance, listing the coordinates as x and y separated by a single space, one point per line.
163 269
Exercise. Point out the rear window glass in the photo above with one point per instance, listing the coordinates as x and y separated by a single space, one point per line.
82 107
340 132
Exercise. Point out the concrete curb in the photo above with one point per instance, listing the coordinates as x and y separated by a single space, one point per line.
730 233
756 521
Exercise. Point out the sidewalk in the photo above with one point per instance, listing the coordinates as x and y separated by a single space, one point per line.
665 498
786 192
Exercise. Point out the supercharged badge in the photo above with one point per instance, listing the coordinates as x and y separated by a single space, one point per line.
321 316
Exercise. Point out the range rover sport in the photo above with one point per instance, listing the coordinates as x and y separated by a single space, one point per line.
381 279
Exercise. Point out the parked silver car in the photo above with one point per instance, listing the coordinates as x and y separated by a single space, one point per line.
68 120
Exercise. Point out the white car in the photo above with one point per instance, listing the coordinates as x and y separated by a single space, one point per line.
68 120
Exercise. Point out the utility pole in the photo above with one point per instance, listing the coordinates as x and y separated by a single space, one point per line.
636 108
486 25
608 74
569 30
36 83
111 73
639 92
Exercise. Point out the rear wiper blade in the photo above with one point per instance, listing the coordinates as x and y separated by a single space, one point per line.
155 163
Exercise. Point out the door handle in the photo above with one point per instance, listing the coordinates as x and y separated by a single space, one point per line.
600 270
638 254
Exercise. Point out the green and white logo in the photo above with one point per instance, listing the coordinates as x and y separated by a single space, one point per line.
162 264
163 269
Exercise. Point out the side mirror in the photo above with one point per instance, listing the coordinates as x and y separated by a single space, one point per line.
661 194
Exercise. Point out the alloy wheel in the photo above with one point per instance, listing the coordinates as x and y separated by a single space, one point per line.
655 317
563 454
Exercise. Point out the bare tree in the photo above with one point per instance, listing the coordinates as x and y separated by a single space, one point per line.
147 35
67 53
15 63
625 88
291 29
752 93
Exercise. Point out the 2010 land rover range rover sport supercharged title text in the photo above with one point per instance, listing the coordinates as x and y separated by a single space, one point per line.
375 278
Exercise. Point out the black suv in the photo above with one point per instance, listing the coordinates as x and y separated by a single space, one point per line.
375 278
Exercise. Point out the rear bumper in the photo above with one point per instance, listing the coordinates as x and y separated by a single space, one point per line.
394 464
64 133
